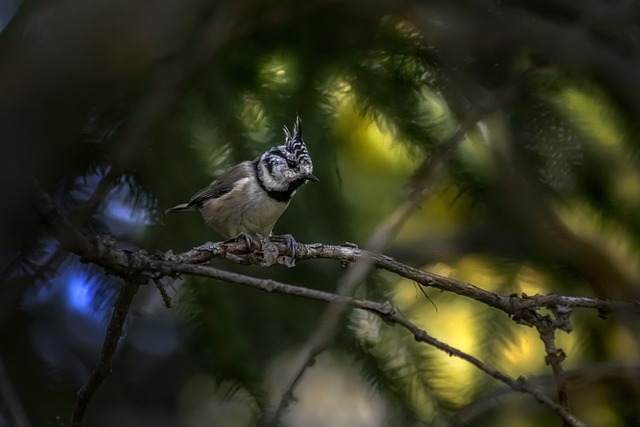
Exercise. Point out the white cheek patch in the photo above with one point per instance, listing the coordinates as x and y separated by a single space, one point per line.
270 183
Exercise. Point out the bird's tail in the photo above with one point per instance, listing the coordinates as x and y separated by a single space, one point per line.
183 207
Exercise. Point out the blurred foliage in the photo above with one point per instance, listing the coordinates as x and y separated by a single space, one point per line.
541 195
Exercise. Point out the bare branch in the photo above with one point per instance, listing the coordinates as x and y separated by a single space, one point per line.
74 241
121 310
554 358
586 376
384 310
513 304
519 384
166 299
139 267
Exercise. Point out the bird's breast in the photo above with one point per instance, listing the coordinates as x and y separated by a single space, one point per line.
245 209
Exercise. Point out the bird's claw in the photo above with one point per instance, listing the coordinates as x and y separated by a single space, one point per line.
292 245
290 242
251 242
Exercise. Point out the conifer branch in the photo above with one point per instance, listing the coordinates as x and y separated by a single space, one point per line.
139 267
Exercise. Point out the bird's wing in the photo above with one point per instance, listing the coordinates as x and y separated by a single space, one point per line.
223 184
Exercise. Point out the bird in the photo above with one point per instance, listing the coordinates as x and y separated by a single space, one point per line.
248 199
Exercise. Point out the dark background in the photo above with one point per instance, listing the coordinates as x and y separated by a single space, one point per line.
542 195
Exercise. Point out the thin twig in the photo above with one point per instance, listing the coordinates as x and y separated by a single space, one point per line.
121 310
587 376
166 299
519 384
554 358
118 260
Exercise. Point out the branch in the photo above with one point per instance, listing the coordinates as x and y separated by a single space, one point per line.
555 357
74 241
101 251
384 310
587 376
121 310
139 267
514 305
520 384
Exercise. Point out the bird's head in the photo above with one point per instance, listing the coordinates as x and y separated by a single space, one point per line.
286 167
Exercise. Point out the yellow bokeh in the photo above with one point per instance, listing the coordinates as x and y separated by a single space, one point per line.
452 323
394 351
600 125
531 282
366 143
480 271
523 353
598 119
623 344
372 166
611 237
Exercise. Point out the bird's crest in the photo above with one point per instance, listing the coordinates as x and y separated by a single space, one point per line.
296 136
293 140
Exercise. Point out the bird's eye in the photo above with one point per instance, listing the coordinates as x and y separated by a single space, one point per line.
291 164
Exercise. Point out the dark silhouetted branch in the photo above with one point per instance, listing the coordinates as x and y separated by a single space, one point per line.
555 357
513 304
139 267
102 369
385 311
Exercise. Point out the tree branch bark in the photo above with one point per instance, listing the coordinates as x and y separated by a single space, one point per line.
139 267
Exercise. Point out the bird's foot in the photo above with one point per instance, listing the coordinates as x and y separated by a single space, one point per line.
253 243
292 245
290 242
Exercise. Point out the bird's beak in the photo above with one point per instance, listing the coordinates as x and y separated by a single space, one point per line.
311 177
